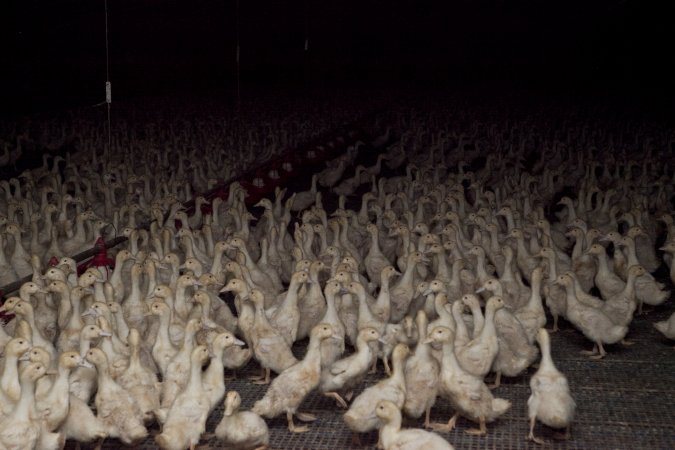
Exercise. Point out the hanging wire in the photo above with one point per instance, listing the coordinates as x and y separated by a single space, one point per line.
108 87
238 53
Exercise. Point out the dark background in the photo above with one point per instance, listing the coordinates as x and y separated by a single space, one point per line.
52 52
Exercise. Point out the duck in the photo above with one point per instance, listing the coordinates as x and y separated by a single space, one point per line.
550 401
139 380
375 260
213 377
163 349
647 289
592 322
607 282
241 430
467 394
312 306
332 349
9 380
186 419
361 417
667 327
18 430
381 308
391 437
477 355
532 315
515 353
422 374
269 347
401 294
286 316
53 405
114 405
83 379
289 389
346 373
178 370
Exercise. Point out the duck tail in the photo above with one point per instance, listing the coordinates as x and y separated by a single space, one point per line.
500 406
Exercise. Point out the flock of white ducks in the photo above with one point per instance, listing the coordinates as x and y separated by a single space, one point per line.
442 273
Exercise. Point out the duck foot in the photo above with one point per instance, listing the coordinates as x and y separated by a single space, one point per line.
349 395
600 353
627 343
263 372
497 383
445 427
338 399
481 431
563 436
305 417
533 438
292 427
262 380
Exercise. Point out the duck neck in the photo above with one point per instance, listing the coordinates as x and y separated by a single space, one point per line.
449 363
24 406
545 345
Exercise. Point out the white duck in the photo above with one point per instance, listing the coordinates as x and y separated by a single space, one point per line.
241 430
550 401
186 419
393 438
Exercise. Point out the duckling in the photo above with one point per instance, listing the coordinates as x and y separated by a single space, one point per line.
290 388
114 405
667 327
467 394
550 401
422 372
350 371
592 322
19 430
140 381
393 438
186 419
361 418
241 430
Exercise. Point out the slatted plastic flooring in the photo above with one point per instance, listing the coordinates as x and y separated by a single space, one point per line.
625 401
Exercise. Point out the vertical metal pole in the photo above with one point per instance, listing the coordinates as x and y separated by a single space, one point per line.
238 53
108 87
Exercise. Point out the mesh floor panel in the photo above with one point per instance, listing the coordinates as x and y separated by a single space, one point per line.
624 401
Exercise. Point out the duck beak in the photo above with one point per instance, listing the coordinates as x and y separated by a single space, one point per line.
428 340
337 337
479 290
89 312
239 342
25 356
84 363
427 292
382 340
105 334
